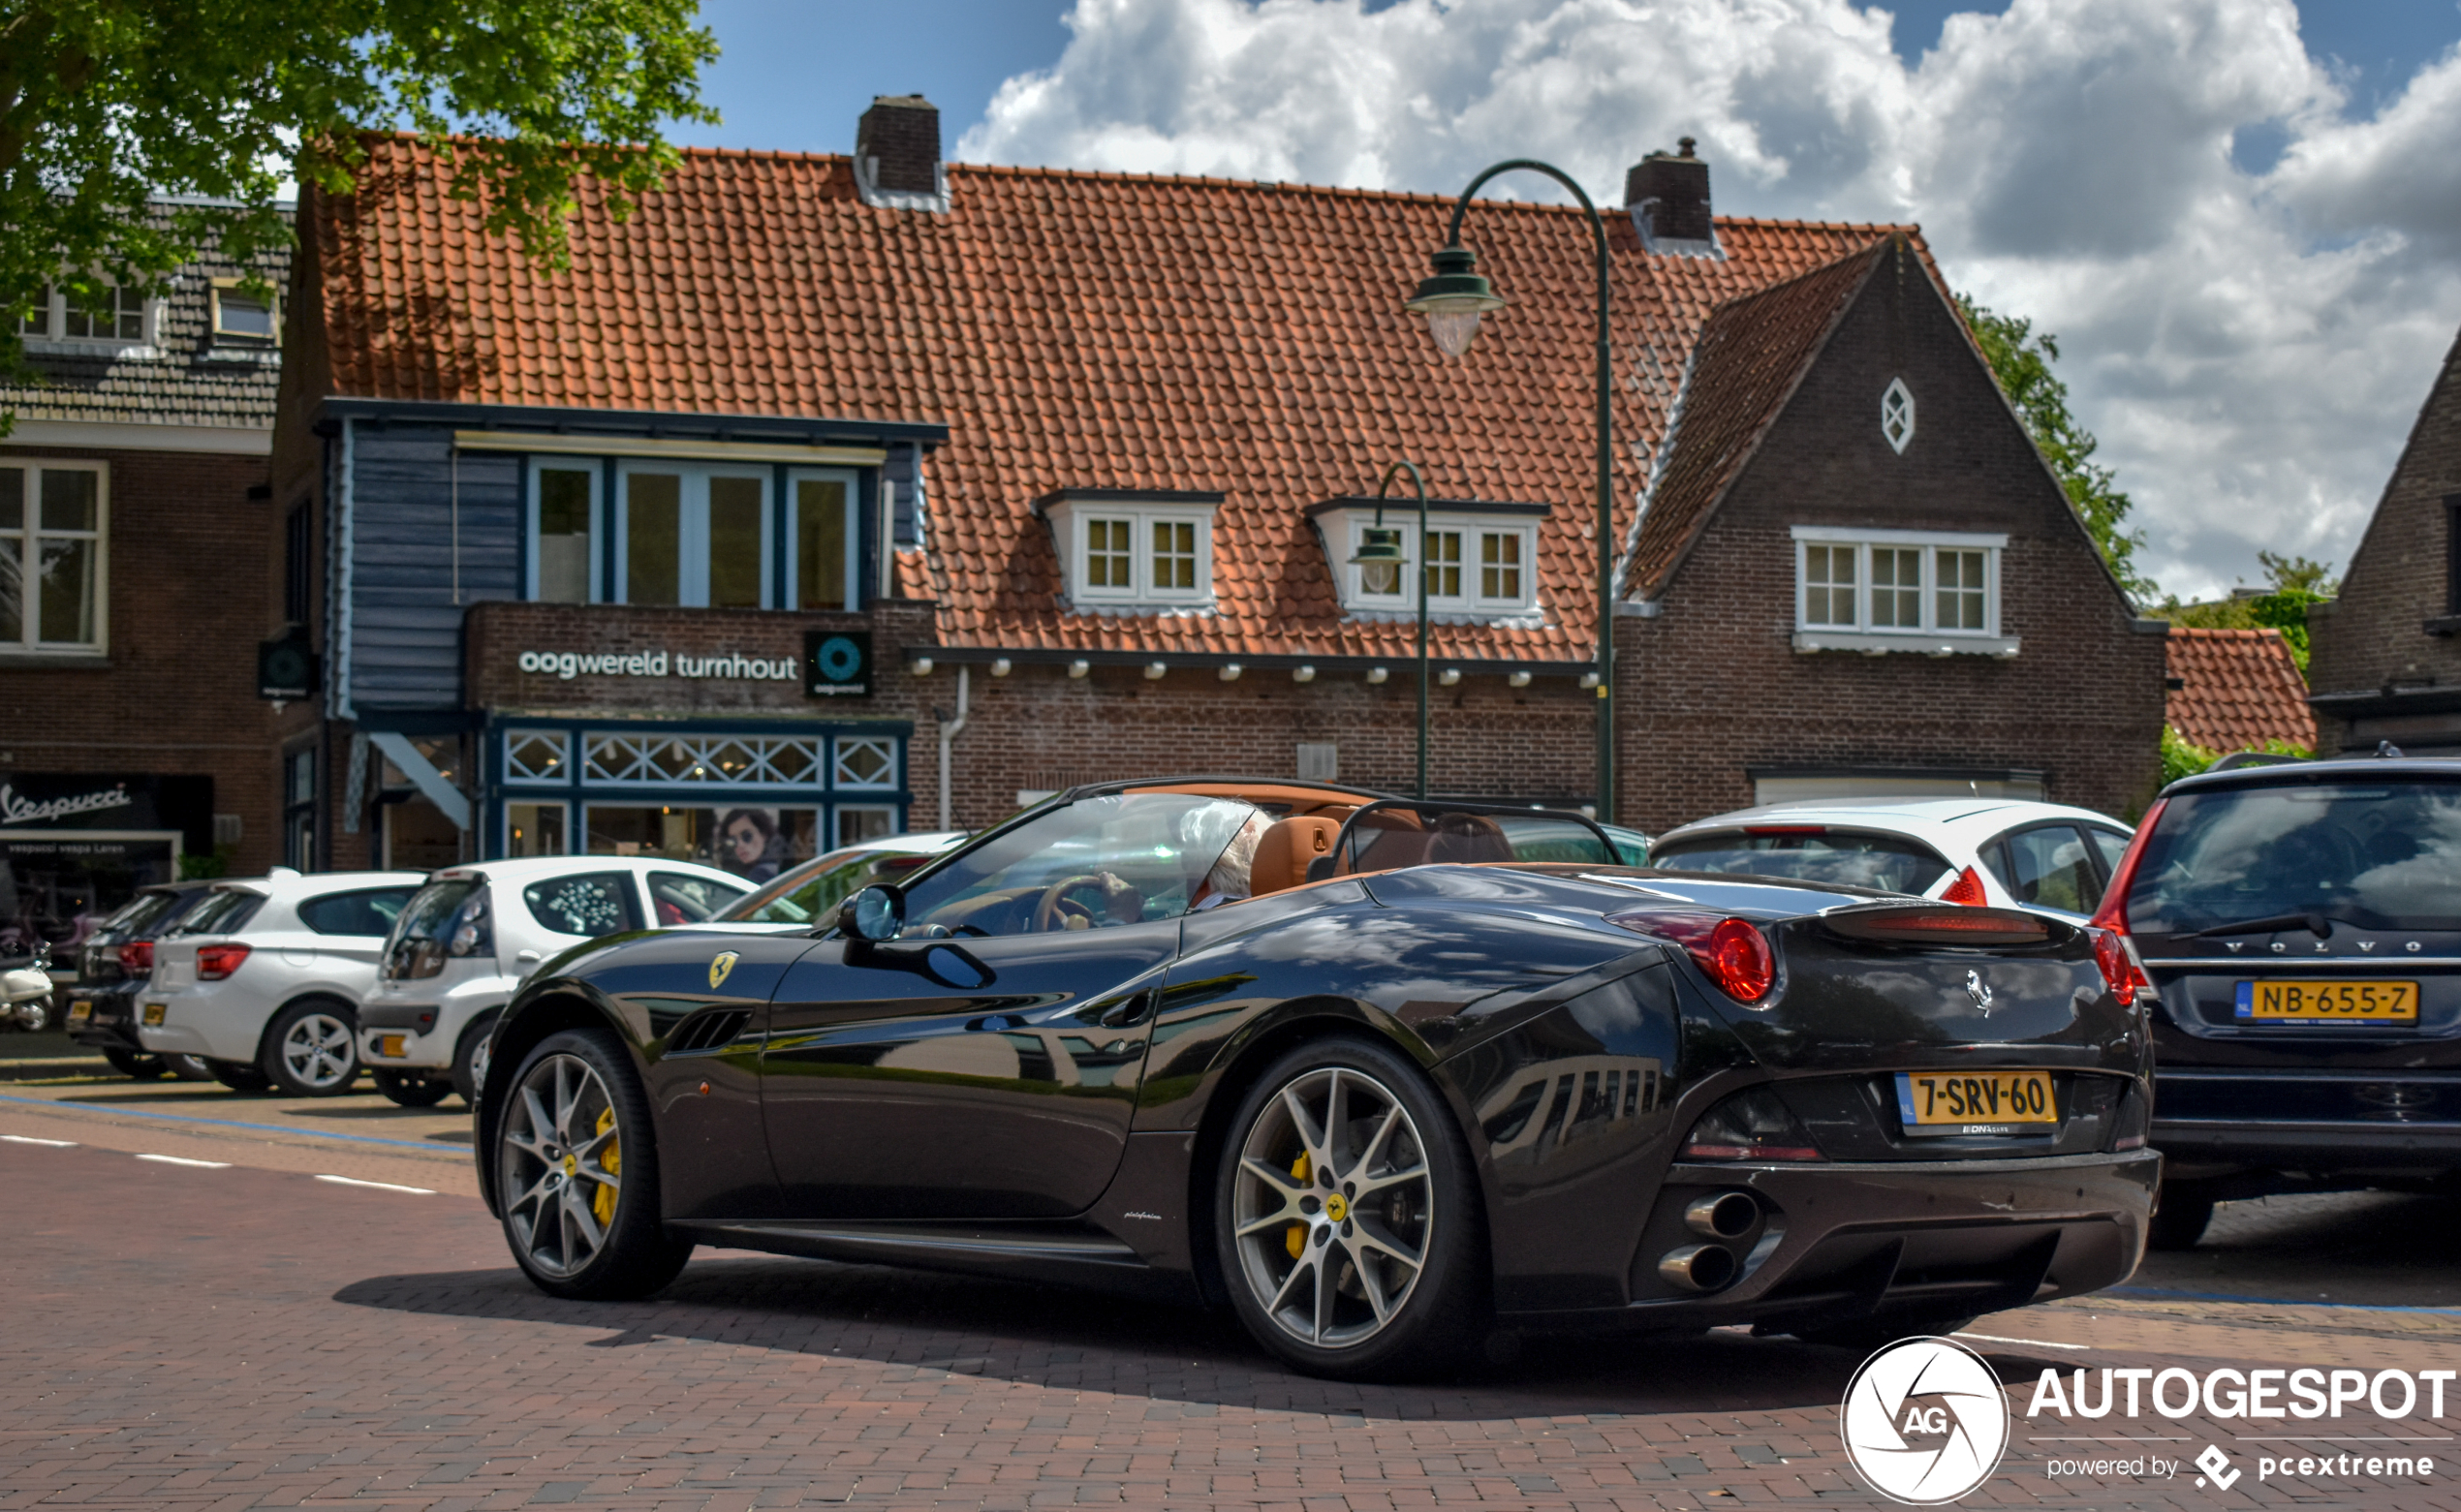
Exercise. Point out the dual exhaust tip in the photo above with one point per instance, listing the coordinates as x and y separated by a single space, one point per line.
1724 1219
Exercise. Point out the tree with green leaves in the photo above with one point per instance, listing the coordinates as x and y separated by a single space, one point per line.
134 132
2021 359
2291 584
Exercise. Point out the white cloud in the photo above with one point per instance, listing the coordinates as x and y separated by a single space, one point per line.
2250 347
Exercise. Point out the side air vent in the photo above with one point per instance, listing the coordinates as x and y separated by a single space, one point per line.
713 1028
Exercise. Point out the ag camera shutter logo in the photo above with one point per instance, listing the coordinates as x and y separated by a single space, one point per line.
1925 1421
837 664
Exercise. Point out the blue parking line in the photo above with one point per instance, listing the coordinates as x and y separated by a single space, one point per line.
2270 1302
231 1122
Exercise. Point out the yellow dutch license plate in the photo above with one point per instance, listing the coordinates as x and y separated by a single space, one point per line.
393 1045
154 1014
81 1010
1952 1103
2329 1003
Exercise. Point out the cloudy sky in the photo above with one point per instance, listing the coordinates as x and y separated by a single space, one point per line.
2242 218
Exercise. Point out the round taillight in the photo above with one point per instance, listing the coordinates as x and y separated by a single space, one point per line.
1738 960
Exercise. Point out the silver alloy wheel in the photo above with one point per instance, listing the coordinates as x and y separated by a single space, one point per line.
1332 1207
316 1050
560 1196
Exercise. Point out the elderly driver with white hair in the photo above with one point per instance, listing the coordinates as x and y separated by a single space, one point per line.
1227 881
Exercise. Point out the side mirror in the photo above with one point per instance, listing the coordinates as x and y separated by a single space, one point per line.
874 914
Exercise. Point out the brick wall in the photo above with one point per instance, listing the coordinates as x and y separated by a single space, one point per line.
1713 686
2374 634
189 584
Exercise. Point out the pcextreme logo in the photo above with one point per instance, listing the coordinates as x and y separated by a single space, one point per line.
1925 1421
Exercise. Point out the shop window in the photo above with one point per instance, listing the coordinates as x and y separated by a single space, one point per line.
535 829
562 557
858 823
299 810
1890 589
824 552
537 756
53 519
693 535
866 761
766 760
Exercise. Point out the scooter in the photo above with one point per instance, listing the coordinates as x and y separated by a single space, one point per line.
25 990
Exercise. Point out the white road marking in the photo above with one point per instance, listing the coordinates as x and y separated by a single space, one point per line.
29 1139
173 1159
2038 1343
353 1181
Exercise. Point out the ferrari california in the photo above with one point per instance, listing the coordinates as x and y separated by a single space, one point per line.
1388 1078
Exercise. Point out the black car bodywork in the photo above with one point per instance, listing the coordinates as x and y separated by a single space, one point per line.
2341 871
1053 1105
106 988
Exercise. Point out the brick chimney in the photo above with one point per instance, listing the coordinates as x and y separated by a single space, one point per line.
897 154
1667 194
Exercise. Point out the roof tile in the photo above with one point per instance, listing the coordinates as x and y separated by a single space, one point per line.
2238 689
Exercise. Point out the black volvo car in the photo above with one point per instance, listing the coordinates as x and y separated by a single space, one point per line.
2295 931
1381 1076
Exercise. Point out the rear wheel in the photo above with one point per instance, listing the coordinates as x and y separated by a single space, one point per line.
134 1062
2179 1218
190 1068
312 1049
413 1089
577 1171
470 1059
239 1076
1346 1219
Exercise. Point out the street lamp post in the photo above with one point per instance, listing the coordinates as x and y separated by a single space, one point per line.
1452 299
1379 546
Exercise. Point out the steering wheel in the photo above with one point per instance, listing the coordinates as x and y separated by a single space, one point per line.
1055 907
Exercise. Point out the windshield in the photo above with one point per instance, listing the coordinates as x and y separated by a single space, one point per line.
815 889
1109 861
1853 859
2381 855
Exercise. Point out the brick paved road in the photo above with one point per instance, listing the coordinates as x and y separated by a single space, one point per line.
248 1336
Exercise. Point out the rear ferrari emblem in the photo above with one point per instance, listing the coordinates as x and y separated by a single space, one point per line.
1981 993
719 967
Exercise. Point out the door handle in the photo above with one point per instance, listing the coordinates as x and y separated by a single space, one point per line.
527 956
1132 1011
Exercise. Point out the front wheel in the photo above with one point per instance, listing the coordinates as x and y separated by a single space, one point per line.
1346 1219
2180 1217
576 1170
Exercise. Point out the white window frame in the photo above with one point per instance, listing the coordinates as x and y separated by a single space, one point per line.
1927 637
1068 517
693 526
840 781
1347 528
30 535
216 336
54 336
850 596
598 523
562 776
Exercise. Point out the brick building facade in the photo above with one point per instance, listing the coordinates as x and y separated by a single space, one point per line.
2385 654
135 474
1084 460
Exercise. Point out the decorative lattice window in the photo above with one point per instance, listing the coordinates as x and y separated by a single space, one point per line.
537 756
1897 415
866 761
735 760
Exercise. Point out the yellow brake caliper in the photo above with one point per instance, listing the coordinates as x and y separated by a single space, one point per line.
611 1159
1295 1237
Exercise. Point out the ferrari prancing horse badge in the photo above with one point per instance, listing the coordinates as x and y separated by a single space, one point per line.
719 967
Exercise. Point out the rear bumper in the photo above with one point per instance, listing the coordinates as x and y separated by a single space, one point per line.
2314 1121
1902 1239
2195 1145
110 1022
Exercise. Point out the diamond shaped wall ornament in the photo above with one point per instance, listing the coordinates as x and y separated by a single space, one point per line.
1897 415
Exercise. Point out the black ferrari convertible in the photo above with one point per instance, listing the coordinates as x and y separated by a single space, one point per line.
1386 1077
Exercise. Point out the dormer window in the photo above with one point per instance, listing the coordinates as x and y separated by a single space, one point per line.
121 318
1477 560
244 318
1133 551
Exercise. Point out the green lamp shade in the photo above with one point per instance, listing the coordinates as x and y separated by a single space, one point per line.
1452 299
1379 560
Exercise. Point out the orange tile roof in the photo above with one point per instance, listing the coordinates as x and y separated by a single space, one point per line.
2237 690
1079 330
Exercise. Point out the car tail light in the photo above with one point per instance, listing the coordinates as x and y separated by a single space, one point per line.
1967 889
2114 951
1750 1125
137 957
1932 924
1786 829
1732 952
216 962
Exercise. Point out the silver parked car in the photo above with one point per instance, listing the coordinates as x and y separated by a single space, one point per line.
464 943
264 979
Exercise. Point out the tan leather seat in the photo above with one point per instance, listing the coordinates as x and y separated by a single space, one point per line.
1284 849
1468 838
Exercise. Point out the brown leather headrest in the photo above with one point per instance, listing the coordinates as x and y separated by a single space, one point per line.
1284 849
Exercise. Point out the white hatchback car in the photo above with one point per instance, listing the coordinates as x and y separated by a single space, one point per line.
2007 853
263 978
461 948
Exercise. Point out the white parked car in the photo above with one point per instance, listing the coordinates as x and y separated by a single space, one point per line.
263 979
461 948
808 895
2007 853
